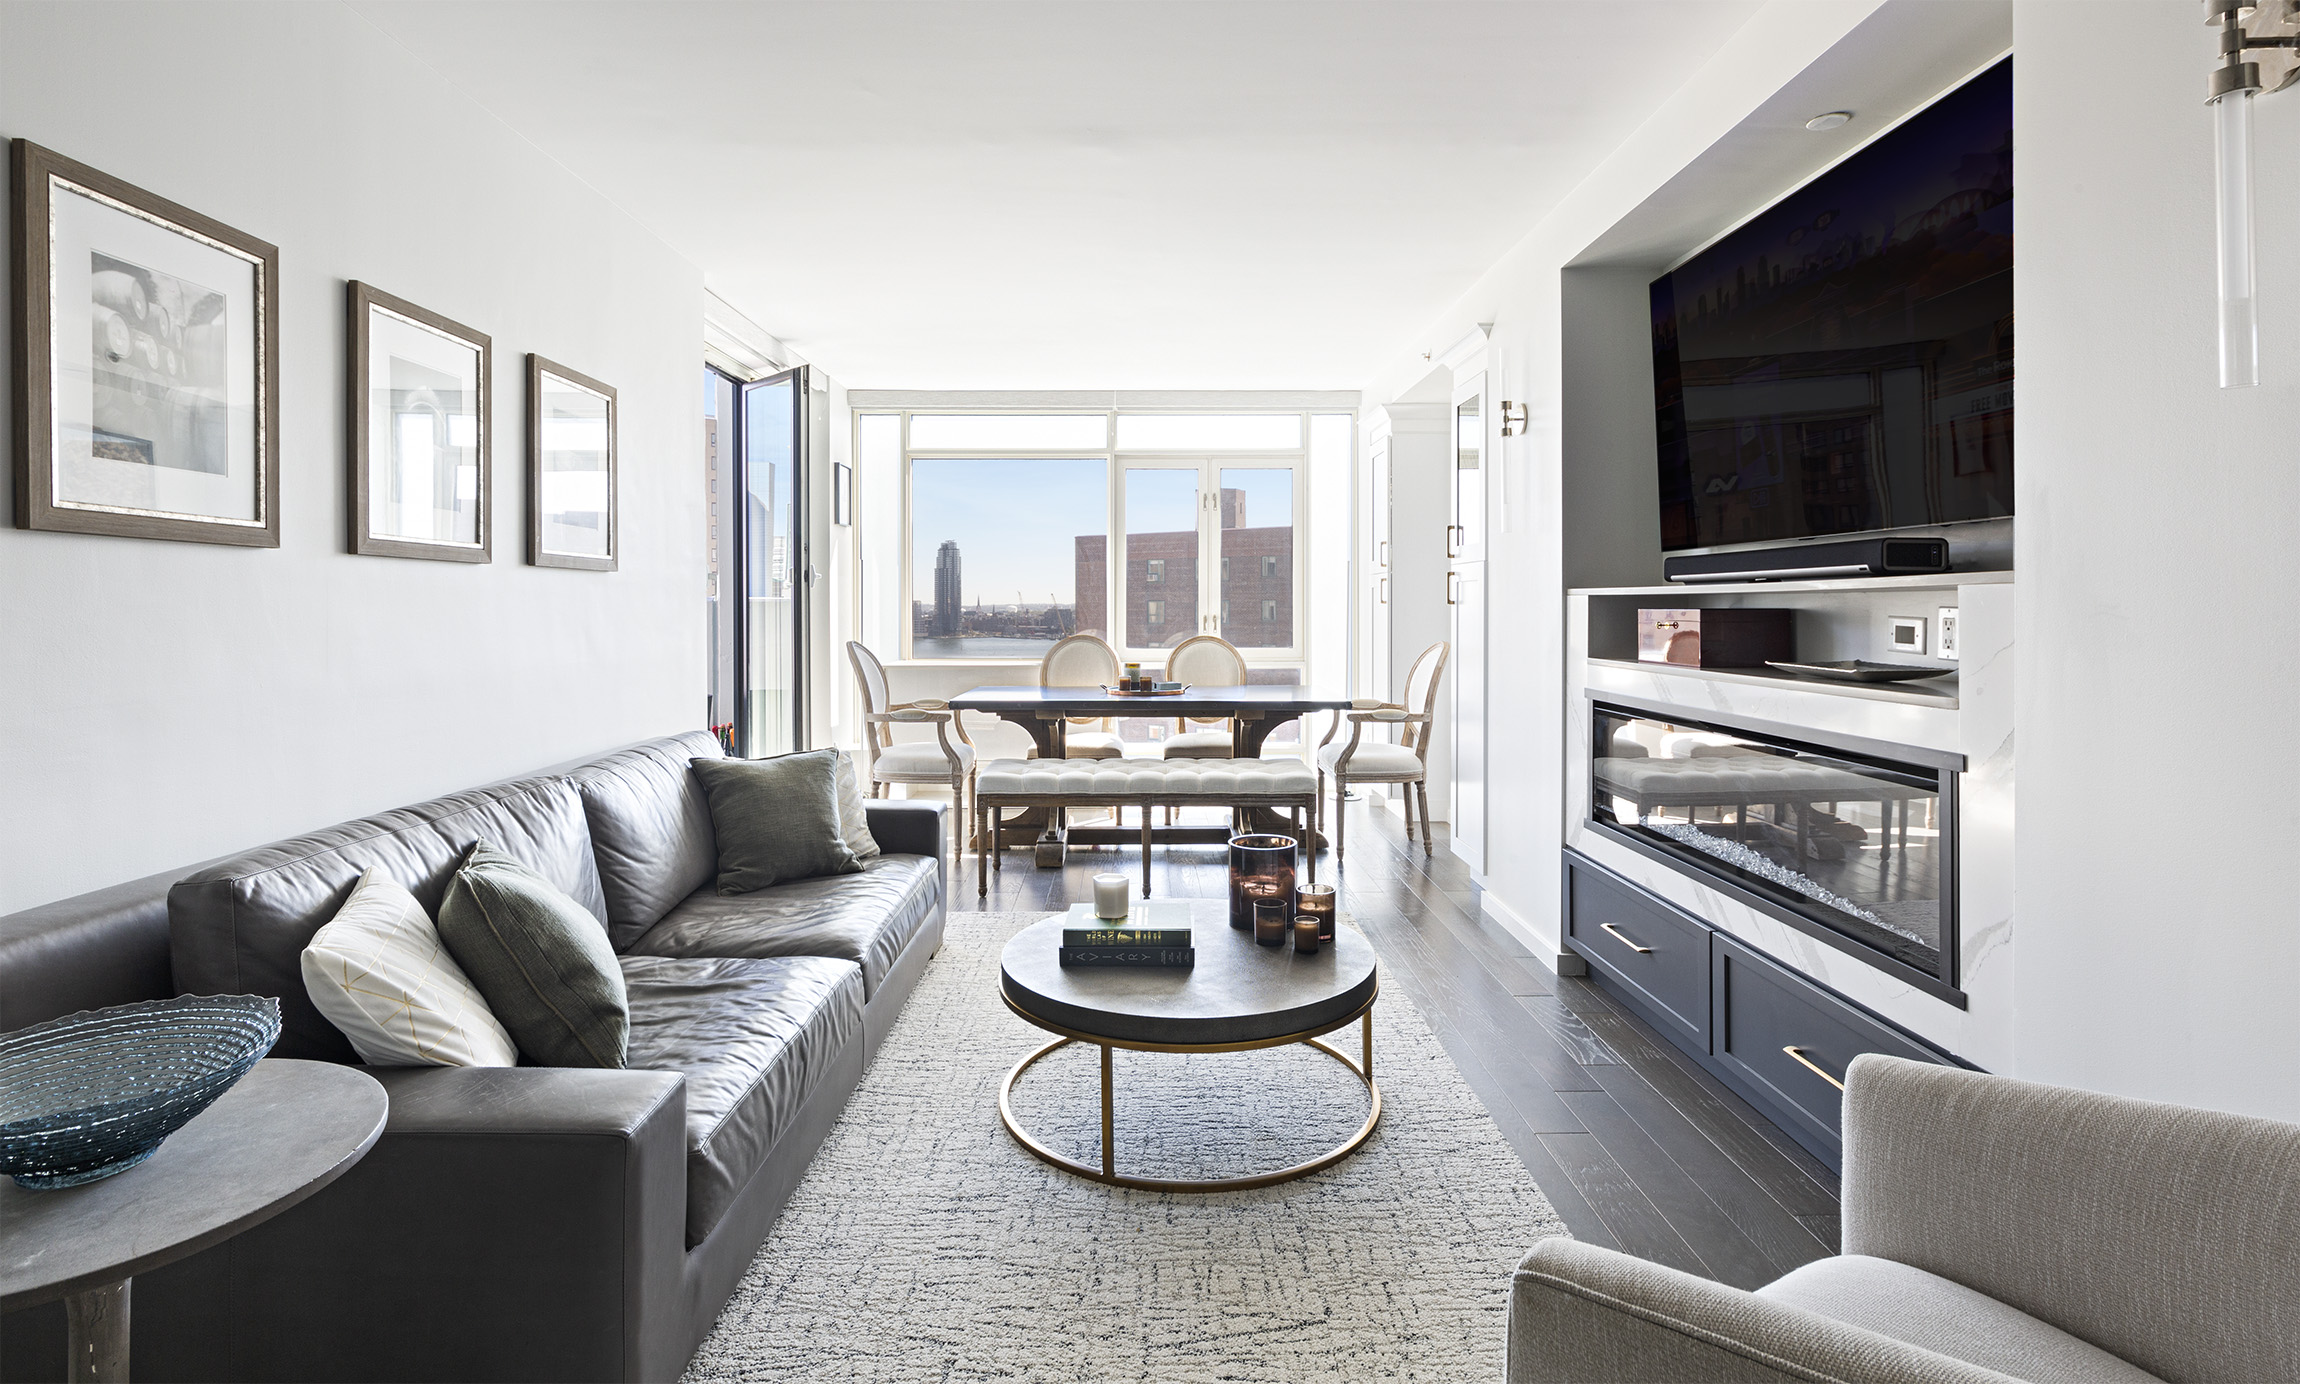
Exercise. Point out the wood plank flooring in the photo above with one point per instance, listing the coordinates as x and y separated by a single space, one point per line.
1637 1147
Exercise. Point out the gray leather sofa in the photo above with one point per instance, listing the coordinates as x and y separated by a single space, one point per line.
1993 1230
514 1223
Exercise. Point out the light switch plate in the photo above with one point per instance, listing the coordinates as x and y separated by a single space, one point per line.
1945 632
1905 634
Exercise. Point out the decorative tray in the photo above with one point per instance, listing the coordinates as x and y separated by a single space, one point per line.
1861 670
1165 689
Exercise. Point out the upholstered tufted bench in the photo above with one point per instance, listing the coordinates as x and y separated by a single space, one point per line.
1004 783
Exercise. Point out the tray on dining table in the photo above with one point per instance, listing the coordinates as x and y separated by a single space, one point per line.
1174 689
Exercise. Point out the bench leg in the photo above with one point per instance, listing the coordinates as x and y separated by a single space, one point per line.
981 854
1309 850
1145 850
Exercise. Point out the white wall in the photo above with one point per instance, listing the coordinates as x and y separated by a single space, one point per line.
2159 930
162 703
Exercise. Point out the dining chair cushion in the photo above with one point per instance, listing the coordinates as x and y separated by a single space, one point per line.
542 962
379 972
915 761
1374 760
1198 744
776 819
854 818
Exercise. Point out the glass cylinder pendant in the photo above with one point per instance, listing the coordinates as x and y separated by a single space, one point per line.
2239 310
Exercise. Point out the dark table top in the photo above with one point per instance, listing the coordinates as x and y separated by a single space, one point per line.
283 1131
1263 698
1237 993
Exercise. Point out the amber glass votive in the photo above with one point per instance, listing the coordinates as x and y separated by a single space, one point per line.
1317 901
1305 933
1270 919
1261 867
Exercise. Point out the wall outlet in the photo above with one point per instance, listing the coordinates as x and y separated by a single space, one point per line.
1945 632
1905 634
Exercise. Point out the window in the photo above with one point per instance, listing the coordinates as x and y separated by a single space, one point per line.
1209 432
1153 613
1269 567
1006 556
1269 612
1154 570
1257 523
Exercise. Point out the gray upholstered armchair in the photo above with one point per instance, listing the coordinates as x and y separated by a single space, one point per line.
1993 1229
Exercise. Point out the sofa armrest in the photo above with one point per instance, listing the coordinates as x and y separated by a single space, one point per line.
511 1223
1579 1314
906 827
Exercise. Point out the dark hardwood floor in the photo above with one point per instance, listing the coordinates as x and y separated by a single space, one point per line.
1636 1146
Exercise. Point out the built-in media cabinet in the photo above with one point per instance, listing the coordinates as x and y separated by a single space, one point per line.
1780 872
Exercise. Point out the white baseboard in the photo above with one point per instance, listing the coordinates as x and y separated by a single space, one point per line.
1544 948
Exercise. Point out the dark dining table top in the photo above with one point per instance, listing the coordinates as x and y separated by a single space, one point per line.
1268 699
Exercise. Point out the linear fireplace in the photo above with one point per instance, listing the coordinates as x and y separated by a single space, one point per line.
1853 846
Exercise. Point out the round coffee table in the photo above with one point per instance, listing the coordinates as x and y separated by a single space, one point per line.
1238 997
281 1133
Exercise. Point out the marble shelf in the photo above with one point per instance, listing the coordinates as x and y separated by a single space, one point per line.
1932 692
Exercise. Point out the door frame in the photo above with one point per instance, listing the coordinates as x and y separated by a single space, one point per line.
802 555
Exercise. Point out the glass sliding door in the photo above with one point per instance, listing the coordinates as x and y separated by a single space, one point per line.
1160 584
1256 553
772 561
721 447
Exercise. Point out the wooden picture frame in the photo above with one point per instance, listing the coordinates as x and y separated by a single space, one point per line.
560 531
437 383
150 409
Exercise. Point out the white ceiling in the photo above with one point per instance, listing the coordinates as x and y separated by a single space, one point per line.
1146 195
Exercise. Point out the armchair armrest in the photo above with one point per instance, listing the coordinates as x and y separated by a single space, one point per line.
907 713
1389 713
905 826
1579 1314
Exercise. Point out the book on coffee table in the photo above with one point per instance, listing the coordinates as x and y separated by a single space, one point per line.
1155 932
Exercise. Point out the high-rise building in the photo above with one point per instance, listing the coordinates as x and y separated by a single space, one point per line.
946 589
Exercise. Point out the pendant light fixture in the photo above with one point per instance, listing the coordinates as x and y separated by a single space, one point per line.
2259 52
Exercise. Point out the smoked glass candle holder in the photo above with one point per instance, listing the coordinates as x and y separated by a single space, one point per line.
1306 933
1317 901
1271 919
1261 867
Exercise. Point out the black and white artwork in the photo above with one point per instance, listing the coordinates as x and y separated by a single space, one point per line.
570 469
420 481
151 348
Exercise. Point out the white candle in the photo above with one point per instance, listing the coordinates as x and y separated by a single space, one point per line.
1110 892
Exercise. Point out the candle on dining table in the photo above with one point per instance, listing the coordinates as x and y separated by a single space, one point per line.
1317 901
1110 896
1305 934
1270 918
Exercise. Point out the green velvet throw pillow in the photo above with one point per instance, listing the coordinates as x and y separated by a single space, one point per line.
539 959
776 819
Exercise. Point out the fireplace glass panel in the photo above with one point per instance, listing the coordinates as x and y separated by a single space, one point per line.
1854 844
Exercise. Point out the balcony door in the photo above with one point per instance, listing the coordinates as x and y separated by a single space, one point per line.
1209 548
761 565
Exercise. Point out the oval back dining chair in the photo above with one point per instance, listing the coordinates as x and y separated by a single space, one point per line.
1083 660
910 761
1203 660
1406 761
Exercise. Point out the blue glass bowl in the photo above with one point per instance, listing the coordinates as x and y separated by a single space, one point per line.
92 1094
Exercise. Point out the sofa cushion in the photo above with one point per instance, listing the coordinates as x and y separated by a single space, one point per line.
542 963
1923 1309
854 817
866 918
777 819
650 828
754 1038
239 926
380 973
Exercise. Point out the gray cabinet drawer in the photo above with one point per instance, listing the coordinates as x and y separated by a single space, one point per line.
1767 1018
1657 954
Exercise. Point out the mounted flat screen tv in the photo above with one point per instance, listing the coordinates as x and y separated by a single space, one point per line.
1843 362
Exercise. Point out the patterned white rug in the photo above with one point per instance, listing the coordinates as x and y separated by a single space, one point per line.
925 1244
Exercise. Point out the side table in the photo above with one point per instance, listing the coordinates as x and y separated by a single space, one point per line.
283 1132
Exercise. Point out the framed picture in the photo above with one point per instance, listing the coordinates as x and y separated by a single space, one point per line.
421 485
147 363
842 493
570 469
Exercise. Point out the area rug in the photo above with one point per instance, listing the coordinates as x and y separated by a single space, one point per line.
925 1244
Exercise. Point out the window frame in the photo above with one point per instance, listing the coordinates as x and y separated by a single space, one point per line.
1209 465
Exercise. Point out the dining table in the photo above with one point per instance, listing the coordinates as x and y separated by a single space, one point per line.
1253 711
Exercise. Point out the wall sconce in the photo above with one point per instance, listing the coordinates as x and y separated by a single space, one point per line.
2269 29
1512 418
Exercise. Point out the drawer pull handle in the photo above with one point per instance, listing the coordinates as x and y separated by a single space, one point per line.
1799 1053
1625 938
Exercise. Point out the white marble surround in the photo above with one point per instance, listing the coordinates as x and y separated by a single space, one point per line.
1979 726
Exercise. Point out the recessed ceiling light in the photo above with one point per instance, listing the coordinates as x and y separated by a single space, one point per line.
1830 121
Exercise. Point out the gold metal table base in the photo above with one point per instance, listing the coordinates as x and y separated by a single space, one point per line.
1363 1070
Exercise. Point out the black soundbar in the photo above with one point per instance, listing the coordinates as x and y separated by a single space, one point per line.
1857 557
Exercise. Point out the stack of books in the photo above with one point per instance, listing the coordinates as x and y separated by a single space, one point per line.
1153 933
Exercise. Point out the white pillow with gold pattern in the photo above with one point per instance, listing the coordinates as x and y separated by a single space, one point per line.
379 972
